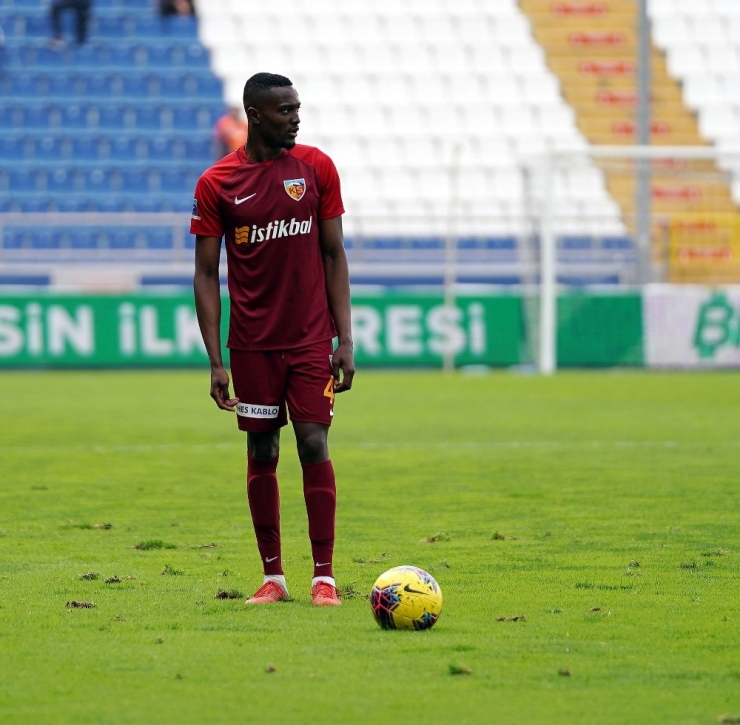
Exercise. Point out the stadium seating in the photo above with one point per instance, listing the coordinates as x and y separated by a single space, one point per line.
389 88
123 122
701 41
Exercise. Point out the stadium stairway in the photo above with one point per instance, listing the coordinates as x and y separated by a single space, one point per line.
591 46
120 124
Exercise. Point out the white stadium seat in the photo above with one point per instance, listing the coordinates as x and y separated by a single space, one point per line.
701 39
389 88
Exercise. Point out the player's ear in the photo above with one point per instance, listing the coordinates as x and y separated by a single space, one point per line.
253 115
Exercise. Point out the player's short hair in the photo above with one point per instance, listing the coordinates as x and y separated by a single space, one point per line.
259 84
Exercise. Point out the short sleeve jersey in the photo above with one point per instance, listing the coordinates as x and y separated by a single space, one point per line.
269 213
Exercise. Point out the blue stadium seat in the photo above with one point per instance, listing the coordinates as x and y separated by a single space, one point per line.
126 56
100 181
101 84
428 243
82 239
111 117
48 148
84 148
173 86
14 148
140 203
208 86
617 243
44 57
66 181
135 181
122 149
26 86
111 26
183 27
158 238
198 149
66 203
135 86
160 149
44 239
122 239
160 56
22 180
148 117
26 280
74 116
39 116
147 27
505 243
185 118
585 280
64 85
93 55
7 117
576 242
195 56
15 238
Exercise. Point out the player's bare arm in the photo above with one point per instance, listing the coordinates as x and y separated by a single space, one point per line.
207 287
336 272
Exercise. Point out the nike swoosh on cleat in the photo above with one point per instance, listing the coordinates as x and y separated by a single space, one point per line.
268 559
408 589
237 200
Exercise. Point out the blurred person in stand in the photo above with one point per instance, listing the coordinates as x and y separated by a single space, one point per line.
230 132
176 7
81 8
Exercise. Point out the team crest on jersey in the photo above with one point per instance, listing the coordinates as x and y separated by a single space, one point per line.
295 188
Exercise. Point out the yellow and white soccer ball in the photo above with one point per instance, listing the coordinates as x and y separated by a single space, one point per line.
406 597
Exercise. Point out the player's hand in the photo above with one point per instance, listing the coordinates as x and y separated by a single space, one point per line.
220 389
344 360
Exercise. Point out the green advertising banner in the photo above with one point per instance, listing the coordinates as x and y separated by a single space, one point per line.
390 329
403 329
101 330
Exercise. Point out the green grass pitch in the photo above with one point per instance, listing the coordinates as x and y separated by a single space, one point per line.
601 507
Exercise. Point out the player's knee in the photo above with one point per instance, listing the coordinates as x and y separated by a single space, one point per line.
313 447
263 446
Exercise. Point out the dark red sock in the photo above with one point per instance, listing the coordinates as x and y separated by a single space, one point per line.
320 492
264 503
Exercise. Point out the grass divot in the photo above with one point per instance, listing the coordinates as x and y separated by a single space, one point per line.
228 594
151 544
439 536
456 669
377 560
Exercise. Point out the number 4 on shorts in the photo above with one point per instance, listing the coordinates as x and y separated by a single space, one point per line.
329 390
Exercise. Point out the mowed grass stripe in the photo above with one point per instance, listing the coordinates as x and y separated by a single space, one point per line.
600 506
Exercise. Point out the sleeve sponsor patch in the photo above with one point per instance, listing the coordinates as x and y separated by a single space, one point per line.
194 213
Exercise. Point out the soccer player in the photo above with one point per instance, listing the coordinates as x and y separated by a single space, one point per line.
279 206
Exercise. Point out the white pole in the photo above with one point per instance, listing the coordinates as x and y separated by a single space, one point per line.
450 276
548 310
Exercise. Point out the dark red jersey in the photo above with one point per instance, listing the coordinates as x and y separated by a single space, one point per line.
269 213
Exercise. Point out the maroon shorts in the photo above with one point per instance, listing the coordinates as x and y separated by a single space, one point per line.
265 381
